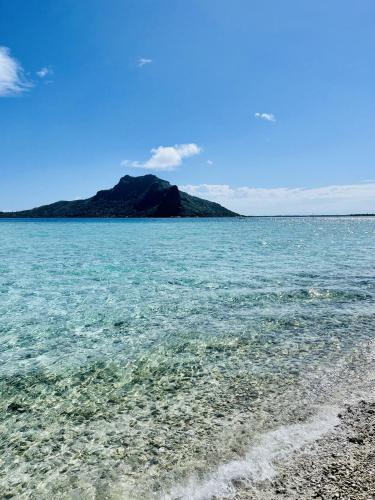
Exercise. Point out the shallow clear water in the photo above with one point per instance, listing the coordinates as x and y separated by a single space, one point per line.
136 355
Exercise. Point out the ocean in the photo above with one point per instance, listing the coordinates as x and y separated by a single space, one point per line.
169 359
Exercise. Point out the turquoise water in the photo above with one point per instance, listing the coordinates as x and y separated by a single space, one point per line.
136 355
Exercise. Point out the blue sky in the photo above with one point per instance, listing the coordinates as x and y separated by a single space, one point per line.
265 106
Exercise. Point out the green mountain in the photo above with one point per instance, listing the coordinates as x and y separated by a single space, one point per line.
143 196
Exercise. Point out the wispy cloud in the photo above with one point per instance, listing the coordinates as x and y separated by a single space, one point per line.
268 117
12 78
166 157
335 199
209 162
43 72
142 61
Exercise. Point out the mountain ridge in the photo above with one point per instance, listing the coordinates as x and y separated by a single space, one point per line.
142 196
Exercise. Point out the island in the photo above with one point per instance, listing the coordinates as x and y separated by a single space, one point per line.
142 196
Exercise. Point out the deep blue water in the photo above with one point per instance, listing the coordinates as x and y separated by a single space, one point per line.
136 354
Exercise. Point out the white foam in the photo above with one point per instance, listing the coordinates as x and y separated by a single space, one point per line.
258 463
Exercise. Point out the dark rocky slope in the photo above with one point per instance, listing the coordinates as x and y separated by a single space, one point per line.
144 196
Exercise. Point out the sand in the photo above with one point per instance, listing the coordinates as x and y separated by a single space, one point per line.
339 465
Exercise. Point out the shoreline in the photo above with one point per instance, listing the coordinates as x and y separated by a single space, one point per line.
340 464
8 216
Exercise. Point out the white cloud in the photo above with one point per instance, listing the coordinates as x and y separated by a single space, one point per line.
335 199
142 61
43 72
12 79
209 162
166 157
268 117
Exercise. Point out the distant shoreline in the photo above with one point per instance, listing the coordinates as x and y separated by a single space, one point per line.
10 217
321 215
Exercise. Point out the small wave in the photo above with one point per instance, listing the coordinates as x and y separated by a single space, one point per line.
259 463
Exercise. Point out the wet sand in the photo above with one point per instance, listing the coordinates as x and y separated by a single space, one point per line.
339 465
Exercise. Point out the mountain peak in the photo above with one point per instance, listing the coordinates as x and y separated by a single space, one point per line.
146 177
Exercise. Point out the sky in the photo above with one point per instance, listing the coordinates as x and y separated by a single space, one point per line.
267 107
